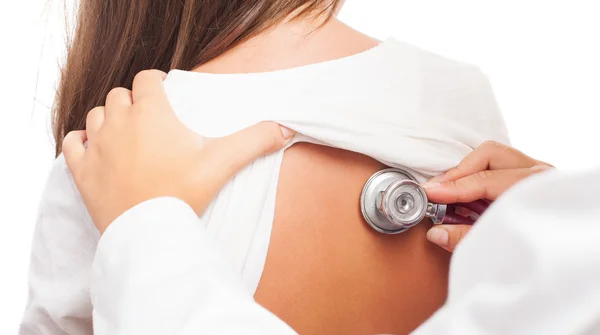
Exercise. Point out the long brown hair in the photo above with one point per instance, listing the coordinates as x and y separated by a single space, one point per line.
115 39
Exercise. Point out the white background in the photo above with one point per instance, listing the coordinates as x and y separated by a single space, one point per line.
541 56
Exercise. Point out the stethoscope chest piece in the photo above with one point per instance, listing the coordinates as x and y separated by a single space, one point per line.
393 202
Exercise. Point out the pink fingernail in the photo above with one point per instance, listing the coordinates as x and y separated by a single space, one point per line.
436 179
287 132
438 236
430 184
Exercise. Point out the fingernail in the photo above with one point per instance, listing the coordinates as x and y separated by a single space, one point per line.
430 184
541 168
438 236
436 179
287 132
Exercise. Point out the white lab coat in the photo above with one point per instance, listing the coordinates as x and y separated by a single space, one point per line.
530 266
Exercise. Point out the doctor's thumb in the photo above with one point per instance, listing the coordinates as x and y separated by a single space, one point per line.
243 147
447 236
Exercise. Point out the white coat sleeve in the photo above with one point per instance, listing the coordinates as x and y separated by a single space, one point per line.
531 265
62 252
157 272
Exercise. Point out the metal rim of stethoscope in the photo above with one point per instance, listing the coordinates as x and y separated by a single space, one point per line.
365 193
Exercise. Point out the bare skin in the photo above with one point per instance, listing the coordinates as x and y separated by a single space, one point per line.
326 271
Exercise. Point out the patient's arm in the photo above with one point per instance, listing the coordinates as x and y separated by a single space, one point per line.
327 272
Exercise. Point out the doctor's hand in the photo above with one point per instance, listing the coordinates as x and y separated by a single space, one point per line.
137 149
485 173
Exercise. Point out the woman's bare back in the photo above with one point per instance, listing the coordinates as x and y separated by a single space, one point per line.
327 272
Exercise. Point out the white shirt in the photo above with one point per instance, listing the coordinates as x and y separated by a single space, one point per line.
529 266
399 104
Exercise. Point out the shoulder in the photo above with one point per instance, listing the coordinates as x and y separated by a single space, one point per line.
62 251
60 175
448 90
62 204
433 69
60 184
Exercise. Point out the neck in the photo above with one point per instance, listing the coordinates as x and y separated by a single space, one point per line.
291 44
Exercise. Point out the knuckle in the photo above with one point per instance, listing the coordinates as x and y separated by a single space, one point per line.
112 93
142 75
484 175
454 172
512 151
92 113
147 74
492 147
278 140
95 110
490 144
274 139
115 94
452 183
69 136
70 139
66 144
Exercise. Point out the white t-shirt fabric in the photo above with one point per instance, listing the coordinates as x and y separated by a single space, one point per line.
399 104
529 266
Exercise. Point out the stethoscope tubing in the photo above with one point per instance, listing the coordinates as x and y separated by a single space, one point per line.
478 207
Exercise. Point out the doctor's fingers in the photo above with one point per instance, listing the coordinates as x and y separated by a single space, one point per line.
94 120
118 102
448 236
148 84
74 149
488 184
234 152
490 155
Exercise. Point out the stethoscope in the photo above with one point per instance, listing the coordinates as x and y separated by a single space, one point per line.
392 202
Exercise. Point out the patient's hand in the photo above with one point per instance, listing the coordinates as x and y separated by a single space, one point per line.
485 173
